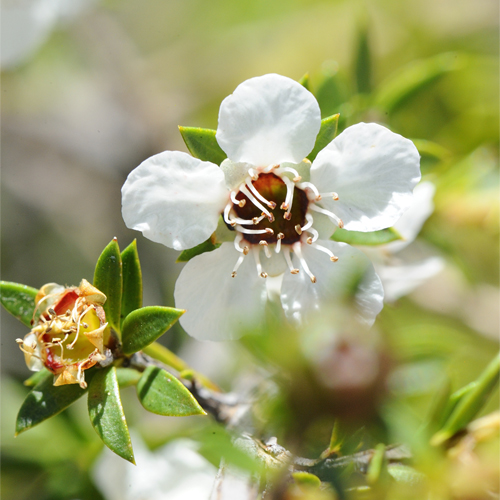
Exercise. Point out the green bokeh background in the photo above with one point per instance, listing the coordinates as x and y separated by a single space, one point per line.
108 89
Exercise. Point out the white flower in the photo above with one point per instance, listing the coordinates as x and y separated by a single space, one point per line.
277 204
403 265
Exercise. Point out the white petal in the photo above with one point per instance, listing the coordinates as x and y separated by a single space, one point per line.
408 269
219 307
373 171
411 222
268 120
335 281
234 173
174 199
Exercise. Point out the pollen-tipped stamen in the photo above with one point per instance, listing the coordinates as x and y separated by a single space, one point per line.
287 205
333 257
297 177
241 203
331 194
227 210
329 214
312 187
265 244
277 248
314 237
293 270
270 204
244 230
256 255
251 197
303 263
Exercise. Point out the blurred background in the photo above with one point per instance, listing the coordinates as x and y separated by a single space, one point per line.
91 89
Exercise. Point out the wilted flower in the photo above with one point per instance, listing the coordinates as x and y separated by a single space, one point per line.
70 334
276 203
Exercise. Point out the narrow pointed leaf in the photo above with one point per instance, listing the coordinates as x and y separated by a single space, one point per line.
471 403
161 393
161 353
326 134
46 400
305 81
368 239
37 377
132 281
106 413
108 279
363 64
127 377
417 75
202 144
145 325
19 300
206 246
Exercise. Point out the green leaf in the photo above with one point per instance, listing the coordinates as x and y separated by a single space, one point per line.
161 393
326 134
332 92
206 246
306 479
306 82
132 281
470 402
108 279
366 239
202 144
363 64
19 300
161 353
106 413
143 326
414 77
37 377
46 400
127 377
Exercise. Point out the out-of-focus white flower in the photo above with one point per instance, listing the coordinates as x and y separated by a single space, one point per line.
277 204
26 25
405 264
174 472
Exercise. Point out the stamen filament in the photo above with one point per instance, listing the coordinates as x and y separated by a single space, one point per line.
256 255
238 264
293 270
240 203
280 236
290 186
264 244
315 235
309 223
298 251
227 220
237 240
270 204
267 230
297 177
329 214
252 198
332 195
312 187
333 257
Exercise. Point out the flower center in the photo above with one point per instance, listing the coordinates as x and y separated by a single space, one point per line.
285 219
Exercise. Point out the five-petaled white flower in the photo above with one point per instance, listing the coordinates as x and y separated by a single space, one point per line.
278 204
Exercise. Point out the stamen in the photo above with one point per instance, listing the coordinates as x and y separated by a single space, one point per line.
256 220
238 264
252 198
256 255
337 220
240 203
298 229
270 204
264 244
288 260
309 223
315 235
278 243
333 258
227 220
287 205
237 240
253 174
332 195
312 187
70 346
298 251
297 177
267 230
